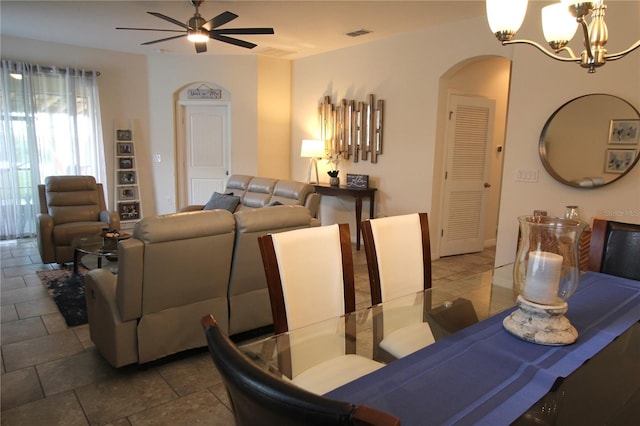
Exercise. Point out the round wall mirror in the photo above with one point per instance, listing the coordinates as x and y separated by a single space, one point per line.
591 141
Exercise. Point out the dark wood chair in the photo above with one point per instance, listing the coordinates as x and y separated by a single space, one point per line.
260 398
615 248
398 254
311 281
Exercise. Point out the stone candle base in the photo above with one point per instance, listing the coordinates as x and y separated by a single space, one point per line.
541 324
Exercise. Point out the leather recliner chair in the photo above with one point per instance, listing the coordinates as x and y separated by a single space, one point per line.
70 207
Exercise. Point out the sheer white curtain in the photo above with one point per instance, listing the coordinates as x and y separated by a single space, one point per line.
50 126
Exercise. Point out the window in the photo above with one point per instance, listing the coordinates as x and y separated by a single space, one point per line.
50 126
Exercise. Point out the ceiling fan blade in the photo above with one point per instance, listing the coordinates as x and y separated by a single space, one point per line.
169 19
201 47
163 39
234 41
149 29
221 19
243 31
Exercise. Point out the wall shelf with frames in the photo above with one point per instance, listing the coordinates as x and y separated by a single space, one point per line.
127 188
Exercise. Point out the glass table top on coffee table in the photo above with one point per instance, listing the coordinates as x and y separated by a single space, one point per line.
92 253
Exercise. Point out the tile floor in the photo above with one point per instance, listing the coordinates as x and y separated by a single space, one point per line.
52 374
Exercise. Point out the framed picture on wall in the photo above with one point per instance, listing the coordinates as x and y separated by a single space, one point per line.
124 148
126 178
123 135
129 211
125 163
624 132
127 193
619 160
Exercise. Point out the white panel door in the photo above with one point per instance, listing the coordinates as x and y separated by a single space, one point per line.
207 154
469 135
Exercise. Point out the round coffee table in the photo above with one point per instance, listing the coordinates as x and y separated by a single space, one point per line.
91 251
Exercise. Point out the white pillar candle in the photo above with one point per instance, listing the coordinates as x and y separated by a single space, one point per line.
543 277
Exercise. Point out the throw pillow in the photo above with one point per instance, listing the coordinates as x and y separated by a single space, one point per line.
222 201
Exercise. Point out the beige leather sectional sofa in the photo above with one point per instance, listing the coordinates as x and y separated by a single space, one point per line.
257 192
177 268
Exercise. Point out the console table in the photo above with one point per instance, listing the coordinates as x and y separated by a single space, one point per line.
358 194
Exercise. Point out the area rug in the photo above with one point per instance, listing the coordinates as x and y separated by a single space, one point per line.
67 290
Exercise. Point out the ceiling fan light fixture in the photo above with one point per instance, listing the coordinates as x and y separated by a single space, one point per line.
198 30
196 33
197 36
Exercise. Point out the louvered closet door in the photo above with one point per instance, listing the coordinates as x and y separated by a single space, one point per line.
469 136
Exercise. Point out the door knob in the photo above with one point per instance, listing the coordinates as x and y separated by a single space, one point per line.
487 185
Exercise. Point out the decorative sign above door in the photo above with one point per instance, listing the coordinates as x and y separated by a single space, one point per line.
352 129
204 92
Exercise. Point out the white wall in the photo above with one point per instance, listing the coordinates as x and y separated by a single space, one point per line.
539 86
274 125
250 112
167 74
123 96
404 71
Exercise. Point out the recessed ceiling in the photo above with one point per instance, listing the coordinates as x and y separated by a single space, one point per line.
302 28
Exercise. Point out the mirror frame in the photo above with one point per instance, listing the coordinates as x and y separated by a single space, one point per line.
543 149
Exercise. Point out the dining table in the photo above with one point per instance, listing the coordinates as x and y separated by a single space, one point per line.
473 371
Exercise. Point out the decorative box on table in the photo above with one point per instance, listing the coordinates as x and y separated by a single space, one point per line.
357 181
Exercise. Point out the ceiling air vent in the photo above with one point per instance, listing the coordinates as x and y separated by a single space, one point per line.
358 33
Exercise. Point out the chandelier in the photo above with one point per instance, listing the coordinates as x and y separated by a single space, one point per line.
559 24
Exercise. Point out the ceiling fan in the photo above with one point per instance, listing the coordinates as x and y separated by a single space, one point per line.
199 31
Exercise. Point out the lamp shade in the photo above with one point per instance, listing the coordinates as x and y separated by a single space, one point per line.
557 23
312 148
506 15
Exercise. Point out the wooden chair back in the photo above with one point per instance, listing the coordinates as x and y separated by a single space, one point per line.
398 254
309 275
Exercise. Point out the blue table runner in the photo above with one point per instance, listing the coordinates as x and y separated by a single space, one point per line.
484 375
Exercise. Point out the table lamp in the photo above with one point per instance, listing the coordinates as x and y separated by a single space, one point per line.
545 275
312 149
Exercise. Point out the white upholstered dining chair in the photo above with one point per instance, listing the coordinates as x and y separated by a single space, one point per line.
398 254
311 285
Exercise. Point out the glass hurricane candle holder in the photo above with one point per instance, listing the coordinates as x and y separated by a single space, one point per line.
547 267
545 275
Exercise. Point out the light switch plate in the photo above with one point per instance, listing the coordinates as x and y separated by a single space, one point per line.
523 175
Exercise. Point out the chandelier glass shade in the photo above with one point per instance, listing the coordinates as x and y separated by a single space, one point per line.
559 23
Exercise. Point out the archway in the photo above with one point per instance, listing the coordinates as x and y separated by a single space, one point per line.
487 77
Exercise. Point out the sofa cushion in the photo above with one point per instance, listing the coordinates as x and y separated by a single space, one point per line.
258 193
222 201
292 192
